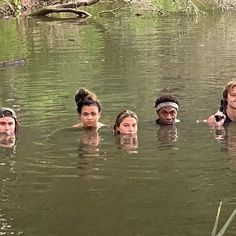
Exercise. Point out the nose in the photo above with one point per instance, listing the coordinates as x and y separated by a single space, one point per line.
168 116
131 129
7 127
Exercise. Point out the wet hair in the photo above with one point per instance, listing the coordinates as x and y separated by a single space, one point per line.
86 98
8 112
228 87
121 116
166 98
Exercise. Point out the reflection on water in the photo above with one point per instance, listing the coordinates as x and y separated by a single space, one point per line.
75 174
127 142
89 143
84 142
7 141
227 137
167 134
7 172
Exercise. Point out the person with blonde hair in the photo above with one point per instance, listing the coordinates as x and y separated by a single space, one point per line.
227 112
126 123
89 109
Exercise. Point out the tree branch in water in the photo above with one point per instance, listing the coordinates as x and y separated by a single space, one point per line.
66 7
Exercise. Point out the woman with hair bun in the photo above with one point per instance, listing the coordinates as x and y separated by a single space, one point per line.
89 109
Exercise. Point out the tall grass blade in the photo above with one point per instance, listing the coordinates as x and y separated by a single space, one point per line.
213 233
226 225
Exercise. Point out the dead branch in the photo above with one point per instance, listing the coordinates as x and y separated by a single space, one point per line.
13 62
66 7
112 11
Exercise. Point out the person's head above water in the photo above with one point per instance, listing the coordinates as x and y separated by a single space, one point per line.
8 121
227 111
89 109
228 89
167 107
126 123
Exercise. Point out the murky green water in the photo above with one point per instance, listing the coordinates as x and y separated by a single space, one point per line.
59 182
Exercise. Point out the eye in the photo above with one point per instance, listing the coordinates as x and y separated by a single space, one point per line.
93 113
85 114
2 123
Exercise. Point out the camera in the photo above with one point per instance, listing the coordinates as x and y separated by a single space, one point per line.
218 117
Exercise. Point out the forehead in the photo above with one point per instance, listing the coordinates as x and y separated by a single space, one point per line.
167 109
129 119
232 89
7 119
91 108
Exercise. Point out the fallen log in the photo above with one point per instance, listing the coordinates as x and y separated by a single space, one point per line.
52 9
66 7
13 62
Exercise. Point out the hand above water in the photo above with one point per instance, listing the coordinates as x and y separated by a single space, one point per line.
216 119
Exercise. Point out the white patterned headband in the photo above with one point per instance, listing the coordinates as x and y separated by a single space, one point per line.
167 104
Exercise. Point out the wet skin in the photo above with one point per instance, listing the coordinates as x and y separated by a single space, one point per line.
128 126
167 115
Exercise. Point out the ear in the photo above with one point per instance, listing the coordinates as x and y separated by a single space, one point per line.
118 130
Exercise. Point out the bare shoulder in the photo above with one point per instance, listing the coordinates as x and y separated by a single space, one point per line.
79 125
100 125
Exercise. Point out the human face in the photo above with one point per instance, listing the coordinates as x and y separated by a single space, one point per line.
89 116
167 115
128 126
231 98
7 125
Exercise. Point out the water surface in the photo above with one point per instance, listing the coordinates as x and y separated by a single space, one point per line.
59 181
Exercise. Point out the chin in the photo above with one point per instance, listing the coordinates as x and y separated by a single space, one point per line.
90 127
168 123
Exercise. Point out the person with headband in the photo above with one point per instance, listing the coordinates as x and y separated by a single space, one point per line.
167 107
9 126
227 111
89 109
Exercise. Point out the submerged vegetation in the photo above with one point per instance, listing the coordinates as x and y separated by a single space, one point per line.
155 7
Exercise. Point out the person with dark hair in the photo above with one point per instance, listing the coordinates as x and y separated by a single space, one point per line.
126 123
89 109
167 107
227 111
9 126
8 121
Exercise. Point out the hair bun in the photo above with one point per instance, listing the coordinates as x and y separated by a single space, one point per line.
84 94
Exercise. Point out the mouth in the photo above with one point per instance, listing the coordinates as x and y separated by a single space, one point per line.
168 123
